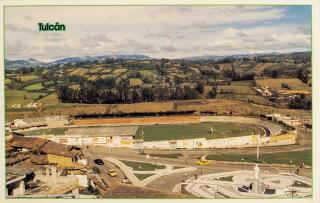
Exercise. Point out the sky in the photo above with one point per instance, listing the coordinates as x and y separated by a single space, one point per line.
160 32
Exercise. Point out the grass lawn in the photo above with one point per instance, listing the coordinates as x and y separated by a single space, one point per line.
34 87
18 96
300 184
195 130
170 156
142 166
143 176
56 131
227 178
297 157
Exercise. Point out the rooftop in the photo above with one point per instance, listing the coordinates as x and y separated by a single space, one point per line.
43 145
104 131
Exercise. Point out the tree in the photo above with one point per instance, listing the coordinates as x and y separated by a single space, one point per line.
200 87
274 74
213 92
303 75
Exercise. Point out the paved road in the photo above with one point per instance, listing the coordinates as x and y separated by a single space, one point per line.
111 181
168 182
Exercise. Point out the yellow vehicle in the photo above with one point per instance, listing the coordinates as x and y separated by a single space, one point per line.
203 162
112 173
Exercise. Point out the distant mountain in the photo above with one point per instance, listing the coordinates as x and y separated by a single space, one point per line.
15 64
100 58
214 57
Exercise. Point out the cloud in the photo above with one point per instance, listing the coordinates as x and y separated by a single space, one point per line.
159 31
55 37
28 18
14 28
133 45
94 40
270 39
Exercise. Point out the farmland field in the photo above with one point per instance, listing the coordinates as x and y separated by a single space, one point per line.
21 96
294 83
113 75
236 89
25 78
7 81
79 71
195 130
49 99
120 70
135 81
34 87
148 73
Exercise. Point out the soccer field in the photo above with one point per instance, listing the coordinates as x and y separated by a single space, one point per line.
195 130
297 157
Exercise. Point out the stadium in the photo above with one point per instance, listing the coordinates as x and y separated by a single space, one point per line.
161 132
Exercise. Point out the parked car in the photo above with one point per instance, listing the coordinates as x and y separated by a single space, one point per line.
125 180
98 161
112 173
95 170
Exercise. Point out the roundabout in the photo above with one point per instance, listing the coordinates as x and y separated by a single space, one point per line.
248 184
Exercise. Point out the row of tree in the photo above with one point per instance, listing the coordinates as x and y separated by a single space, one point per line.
107 91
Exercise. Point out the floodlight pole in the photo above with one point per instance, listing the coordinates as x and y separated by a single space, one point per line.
201 168
186 160
290 166
242 164
155 163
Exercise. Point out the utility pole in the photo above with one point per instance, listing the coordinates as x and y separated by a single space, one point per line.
155 163
258 141
186 160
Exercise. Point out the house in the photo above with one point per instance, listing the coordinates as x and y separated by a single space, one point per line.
16 180
46 151
43 168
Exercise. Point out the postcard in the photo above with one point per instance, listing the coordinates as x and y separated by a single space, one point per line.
153 101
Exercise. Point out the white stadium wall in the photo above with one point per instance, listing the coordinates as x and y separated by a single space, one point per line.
274 139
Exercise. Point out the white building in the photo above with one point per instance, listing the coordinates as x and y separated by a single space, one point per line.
121 136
